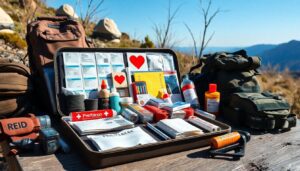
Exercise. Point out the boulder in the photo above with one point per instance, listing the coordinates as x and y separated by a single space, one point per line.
6 22
31 4
66 10
106 29
6 31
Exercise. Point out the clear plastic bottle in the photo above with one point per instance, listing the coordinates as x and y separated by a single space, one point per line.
189 93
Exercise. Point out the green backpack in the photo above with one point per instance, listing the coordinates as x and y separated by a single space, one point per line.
232 72
262 111
242 101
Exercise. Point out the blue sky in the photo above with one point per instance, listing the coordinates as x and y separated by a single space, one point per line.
244 22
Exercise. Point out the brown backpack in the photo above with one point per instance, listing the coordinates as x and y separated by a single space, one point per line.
44 37
15 89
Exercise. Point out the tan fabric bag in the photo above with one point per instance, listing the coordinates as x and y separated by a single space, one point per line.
44 37
15 89
47 34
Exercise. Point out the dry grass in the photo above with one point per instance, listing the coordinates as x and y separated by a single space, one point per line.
14 39
185 62
284 84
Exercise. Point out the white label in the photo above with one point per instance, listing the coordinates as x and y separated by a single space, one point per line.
190 97
90 83
71 58
72 71
74 84
168 62
117 67
89 71
103 58
213 105
88 59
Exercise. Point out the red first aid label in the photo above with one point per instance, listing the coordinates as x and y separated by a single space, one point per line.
90 115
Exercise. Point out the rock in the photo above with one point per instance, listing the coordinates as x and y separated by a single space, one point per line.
8 48
106 29
31 4
21 52
12 54
7 31
6 22
66 10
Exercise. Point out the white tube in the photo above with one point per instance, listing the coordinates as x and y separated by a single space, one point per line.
205 114
204 124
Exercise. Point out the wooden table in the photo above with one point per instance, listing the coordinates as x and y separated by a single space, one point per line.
271 151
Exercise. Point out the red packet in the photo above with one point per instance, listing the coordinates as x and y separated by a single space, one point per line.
90 115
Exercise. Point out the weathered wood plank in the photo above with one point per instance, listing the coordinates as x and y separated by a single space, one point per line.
263 152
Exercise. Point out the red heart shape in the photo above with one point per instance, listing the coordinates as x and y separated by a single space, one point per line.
119 78
137 61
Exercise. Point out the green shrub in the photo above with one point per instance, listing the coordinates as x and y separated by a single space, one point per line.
148 43
14 39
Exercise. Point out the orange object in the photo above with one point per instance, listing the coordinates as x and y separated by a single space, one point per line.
212 99
20 126
104 93
103 102
225 140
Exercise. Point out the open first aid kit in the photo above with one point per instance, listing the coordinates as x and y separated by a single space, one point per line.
124 105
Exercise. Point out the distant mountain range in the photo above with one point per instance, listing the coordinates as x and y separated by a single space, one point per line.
259 49
190 50
285 55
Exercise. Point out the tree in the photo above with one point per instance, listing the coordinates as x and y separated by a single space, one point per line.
163 33
93 8
207 19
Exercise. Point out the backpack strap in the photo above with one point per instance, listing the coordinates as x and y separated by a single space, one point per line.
256 122
196 66
53 18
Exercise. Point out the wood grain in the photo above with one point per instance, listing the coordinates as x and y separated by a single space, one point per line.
269 151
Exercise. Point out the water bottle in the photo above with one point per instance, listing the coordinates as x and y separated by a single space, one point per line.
114 100
189 93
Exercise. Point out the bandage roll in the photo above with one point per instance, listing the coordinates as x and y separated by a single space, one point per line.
204 124
75 103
